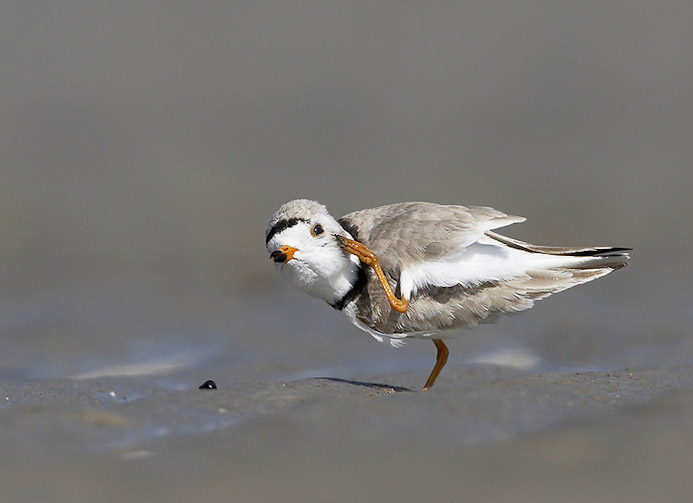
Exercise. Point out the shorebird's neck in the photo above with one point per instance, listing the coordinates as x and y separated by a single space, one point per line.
346 282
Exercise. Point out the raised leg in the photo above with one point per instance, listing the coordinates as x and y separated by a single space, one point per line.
371 259
441 359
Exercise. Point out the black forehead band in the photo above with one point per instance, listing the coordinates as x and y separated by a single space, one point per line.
281 225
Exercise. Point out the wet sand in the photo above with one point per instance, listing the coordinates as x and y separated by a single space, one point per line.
483 433
310 409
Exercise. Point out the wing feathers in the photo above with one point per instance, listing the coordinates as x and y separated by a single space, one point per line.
456 272
418 232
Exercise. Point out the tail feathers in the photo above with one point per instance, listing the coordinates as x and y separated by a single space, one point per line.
539 284
595 257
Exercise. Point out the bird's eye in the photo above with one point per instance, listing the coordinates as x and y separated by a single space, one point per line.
317 230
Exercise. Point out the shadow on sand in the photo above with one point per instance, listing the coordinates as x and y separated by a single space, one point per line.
370 385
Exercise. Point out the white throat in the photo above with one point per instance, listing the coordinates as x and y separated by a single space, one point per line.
344 280
330 287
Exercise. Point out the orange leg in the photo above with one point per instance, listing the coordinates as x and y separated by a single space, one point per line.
371 259
441 359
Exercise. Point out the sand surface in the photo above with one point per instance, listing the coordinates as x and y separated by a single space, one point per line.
577 400
487 434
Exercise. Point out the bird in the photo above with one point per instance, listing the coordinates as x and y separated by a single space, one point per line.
423 270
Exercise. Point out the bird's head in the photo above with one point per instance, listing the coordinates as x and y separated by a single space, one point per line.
301 238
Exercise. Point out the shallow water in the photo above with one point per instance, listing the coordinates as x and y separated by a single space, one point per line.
175 333
100 382
135 337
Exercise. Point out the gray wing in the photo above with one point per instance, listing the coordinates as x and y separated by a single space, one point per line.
405 234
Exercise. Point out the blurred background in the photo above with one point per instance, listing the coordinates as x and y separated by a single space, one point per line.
144 146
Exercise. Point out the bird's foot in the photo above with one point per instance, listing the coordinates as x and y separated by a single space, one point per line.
371 259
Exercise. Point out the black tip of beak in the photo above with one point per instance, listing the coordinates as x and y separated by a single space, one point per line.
278 256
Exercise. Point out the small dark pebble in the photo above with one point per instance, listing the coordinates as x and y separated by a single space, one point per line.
209 385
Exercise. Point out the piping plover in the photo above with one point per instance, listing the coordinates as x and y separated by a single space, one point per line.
423 270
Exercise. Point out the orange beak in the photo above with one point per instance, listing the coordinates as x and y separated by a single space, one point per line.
283 254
